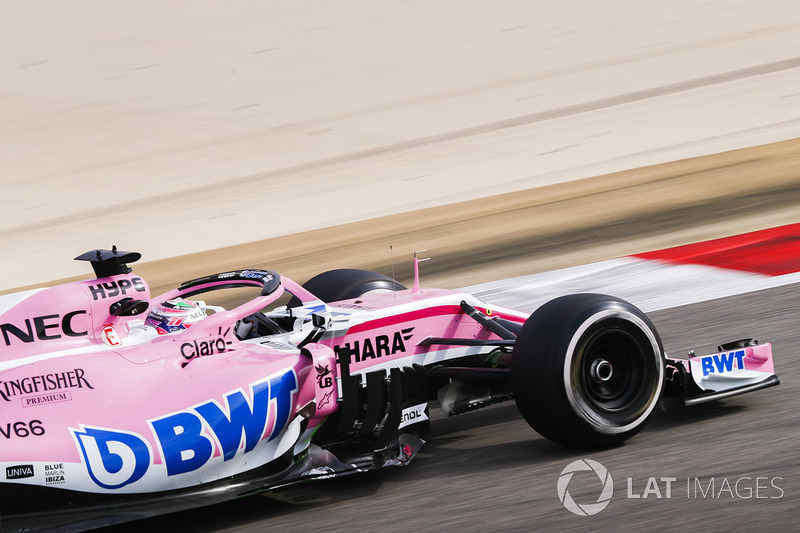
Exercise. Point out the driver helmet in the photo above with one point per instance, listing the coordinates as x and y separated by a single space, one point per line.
175 315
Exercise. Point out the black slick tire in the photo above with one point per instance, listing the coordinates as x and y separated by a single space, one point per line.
587 370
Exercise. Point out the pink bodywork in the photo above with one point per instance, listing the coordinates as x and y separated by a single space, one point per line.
72 375
733 368
59 372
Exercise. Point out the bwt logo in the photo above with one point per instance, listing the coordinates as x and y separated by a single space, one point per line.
187 440
586 509
723 362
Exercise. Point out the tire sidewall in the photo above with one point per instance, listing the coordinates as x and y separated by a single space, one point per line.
543 361
579 403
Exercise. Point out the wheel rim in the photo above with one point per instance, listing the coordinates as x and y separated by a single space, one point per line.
613 371
610 371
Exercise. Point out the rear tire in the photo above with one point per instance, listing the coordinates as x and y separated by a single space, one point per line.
587 370
349 283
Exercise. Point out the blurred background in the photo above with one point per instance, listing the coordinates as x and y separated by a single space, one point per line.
172 129
508 137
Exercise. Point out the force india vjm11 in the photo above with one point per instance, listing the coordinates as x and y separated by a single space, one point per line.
116 406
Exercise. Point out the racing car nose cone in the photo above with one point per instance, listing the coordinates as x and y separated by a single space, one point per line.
601 370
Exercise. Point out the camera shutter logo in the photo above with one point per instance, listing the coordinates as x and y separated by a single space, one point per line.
587 509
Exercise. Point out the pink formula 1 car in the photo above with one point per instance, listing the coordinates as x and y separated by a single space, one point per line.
116 406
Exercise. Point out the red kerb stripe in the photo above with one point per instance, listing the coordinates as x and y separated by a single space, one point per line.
773 252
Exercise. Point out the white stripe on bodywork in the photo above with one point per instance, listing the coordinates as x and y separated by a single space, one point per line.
14 363
425 359
8 301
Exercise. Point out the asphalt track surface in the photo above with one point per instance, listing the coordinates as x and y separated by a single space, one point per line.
488 471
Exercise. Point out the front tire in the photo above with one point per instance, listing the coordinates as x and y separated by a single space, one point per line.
587 370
